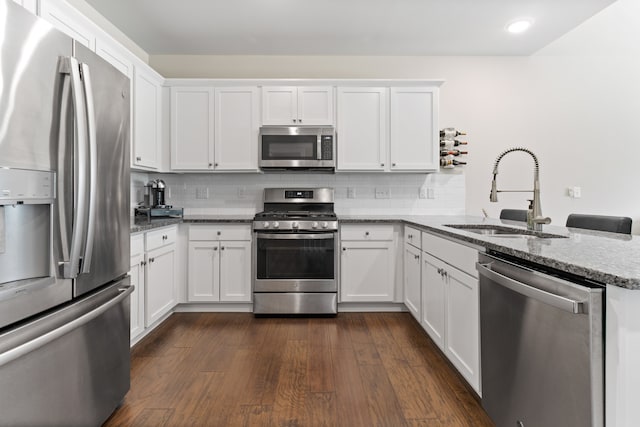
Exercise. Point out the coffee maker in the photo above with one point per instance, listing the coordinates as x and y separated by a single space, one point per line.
154 202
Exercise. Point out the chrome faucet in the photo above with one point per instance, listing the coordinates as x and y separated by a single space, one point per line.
534 213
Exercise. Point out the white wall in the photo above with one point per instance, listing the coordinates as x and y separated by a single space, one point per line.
575 104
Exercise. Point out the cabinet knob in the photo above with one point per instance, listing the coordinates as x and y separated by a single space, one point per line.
215 248
138 159
299 120
222 248
393 164
219 233
366 233
381 164
210 164
417 256
215 164
344 249
294 120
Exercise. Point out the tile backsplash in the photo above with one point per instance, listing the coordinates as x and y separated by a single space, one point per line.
355 194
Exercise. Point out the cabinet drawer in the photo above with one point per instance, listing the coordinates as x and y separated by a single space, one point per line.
137 245
412 236
366 232
158 238
219 232
456 254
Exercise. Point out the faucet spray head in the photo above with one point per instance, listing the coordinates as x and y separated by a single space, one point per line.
494 190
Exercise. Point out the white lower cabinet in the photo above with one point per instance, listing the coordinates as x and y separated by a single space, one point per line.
412 282
450 303
160 290
137 273
219 263
367 263
433 298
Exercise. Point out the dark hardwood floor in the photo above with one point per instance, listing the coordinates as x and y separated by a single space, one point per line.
358 369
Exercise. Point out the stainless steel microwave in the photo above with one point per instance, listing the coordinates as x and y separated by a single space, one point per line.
297 148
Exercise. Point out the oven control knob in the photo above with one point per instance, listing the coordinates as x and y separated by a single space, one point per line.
276 224
325 224
295 224
314 224
265 224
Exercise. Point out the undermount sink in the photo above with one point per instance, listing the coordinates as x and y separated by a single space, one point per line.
502 231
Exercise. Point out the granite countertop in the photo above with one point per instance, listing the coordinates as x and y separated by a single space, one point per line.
608 258
141 223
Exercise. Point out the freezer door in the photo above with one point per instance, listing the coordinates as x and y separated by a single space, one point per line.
30 88
109 228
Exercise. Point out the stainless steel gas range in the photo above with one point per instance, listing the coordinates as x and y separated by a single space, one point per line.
295 261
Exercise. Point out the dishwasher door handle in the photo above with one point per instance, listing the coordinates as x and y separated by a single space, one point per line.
557 301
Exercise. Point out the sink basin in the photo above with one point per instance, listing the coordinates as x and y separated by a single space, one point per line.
502 231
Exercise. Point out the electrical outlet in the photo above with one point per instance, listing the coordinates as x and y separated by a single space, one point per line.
351 193
382 193
242 192
167 192
202 193
574 192
422 194
431 193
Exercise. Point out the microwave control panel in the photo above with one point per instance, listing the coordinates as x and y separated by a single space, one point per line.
327 147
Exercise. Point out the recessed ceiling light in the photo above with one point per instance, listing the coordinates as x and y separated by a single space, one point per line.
519 26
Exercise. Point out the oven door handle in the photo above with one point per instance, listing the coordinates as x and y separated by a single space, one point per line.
295 236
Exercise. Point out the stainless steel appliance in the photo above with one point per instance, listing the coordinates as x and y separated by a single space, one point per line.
542 346
297 148
154 205
64 227
295 260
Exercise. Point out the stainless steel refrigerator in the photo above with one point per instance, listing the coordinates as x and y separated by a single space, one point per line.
64 227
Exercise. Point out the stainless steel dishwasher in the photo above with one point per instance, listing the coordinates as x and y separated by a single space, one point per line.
541 346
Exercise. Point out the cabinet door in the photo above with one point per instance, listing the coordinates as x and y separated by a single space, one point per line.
146 118
433 298
315 105
367 271
362 129
414 139
137 296
192 128
236 129
412 282
160 287
279 105
463 325
69 21
235 271
203 273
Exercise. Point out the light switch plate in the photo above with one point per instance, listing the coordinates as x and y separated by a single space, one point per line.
382 193
202 192
351 193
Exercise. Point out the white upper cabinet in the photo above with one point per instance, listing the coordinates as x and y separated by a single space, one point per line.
414 129
147 110
236 127
192 128
290 105
362 128
214 129
69 21
30 5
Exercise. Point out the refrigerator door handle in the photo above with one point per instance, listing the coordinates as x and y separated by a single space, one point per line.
93 167
72 266
42 340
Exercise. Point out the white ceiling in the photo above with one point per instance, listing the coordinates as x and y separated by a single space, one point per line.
343 27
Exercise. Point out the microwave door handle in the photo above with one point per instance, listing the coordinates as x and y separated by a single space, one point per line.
319 147
93 167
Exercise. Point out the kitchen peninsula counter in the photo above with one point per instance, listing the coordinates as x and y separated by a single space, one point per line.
608 258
